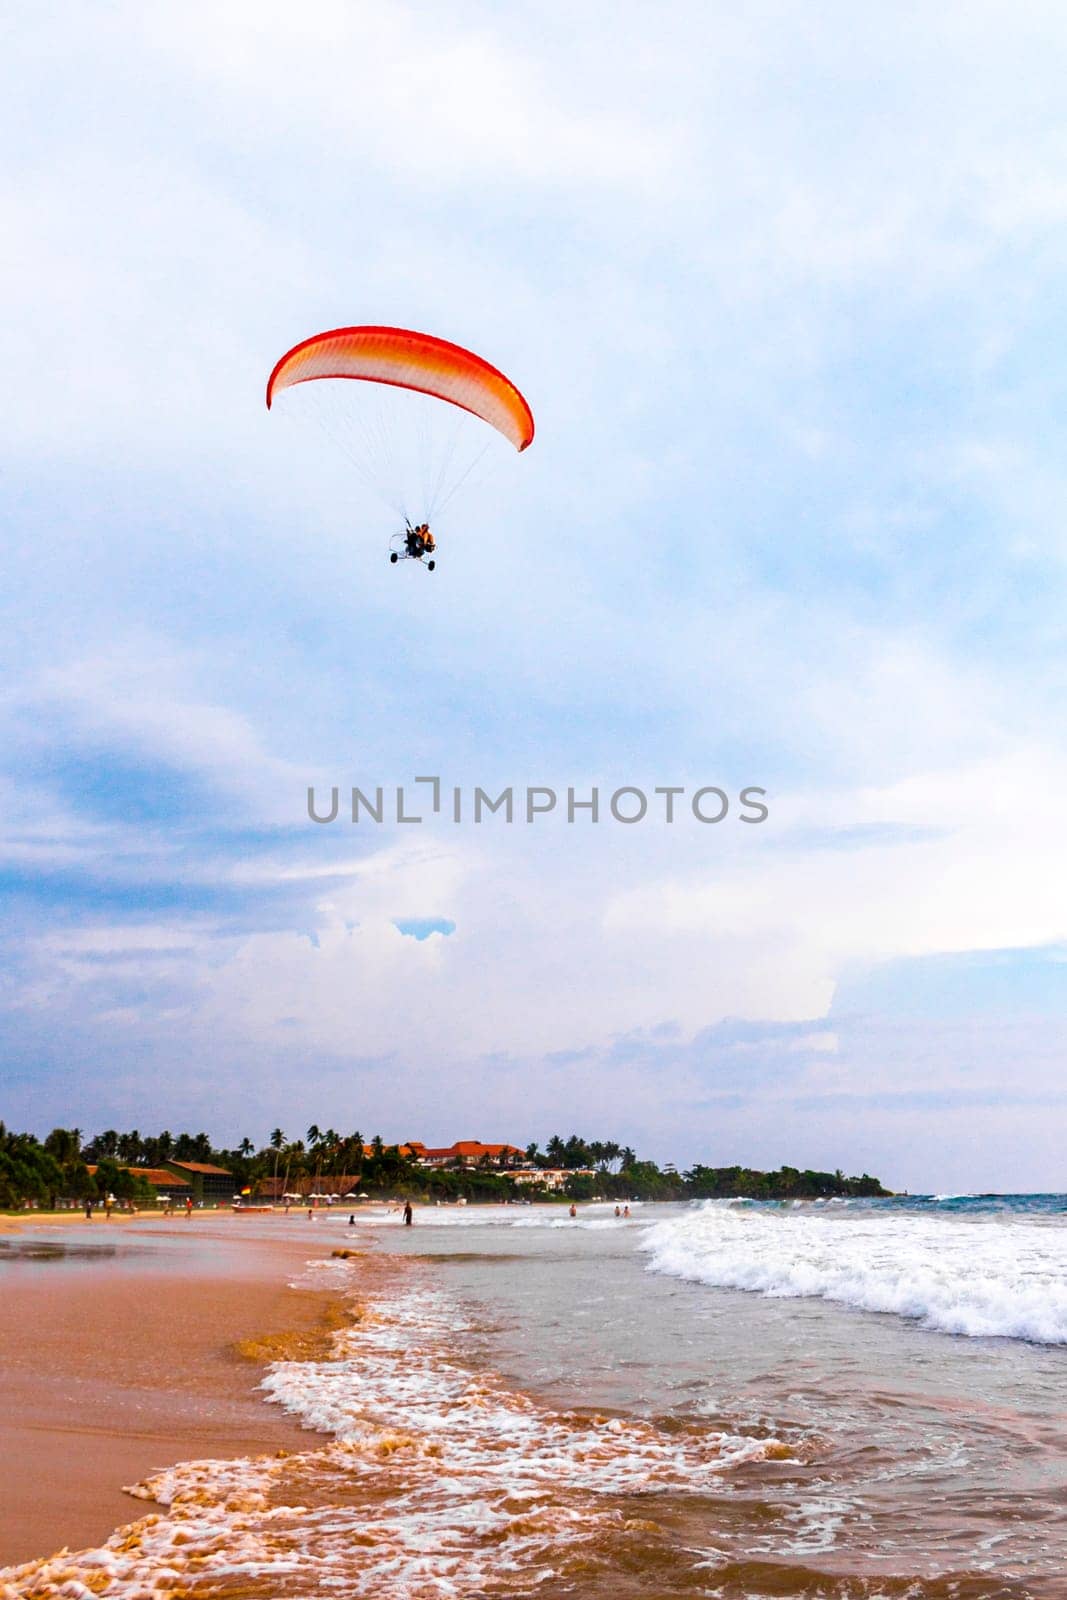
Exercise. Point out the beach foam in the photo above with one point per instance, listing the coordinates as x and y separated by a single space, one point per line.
591 1214
986 1275
437 1479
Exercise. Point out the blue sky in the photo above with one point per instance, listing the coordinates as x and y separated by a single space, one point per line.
784 289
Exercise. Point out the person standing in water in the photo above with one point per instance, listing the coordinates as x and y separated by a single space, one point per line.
408 1213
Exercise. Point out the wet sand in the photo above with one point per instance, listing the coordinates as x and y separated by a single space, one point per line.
108 1373
501 1409
18 1221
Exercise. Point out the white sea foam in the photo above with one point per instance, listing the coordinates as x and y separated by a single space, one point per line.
436 1481
990 1276
394 1372
540 1216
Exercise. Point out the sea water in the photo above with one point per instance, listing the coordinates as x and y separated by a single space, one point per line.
732 1399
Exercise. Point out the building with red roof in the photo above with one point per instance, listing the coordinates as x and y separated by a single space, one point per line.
471 1153
167 1185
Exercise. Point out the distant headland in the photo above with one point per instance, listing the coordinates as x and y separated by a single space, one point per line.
323 1167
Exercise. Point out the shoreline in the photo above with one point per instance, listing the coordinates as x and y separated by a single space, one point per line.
13 1222
440 1446
110 1371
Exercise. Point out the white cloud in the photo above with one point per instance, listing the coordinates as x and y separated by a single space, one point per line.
405 88
152 702
973 876
783 292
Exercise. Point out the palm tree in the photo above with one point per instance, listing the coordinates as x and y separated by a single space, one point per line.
355 1156
129 1147
277 1139
246 1148
315 1143
289 1152
575 1152
64 1145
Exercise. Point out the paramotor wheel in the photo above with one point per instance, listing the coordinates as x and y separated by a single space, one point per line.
431 565
394 556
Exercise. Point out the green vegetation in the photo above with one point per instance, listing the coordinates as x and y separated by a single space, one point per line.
41 1174
45 1174
705 1183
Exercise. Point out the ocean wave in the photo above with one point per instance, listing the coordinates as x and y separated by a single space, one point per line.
982 1277
437 1480
590 1215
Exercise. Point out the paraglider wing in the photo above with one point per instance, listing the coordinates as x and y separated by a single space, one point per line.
410 361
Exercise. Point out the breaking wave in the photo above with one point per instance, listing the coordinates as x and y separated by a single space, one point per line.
437 1479
990 1275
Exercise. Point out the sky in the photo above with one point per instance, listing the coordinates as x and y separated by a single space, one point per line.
783 286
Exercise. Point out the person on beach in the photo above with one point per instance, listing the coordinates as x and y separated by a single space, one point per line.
618 1213
408 1213
188 1206
88 1211
351 1219
626 1211
574 1209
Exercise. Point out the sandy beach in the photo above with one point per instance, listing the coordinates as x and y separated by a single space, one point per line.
508 1401
112 1369
19 1222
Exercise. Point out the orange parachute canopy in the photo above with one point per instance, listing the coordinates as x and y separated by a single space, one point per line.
409 360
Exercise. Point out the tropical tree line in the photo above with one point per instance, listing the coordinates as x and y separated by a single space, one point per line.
56 1169
576 1152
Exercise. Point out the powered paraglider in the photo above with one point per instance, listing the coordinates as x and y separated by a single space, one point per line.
391 421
